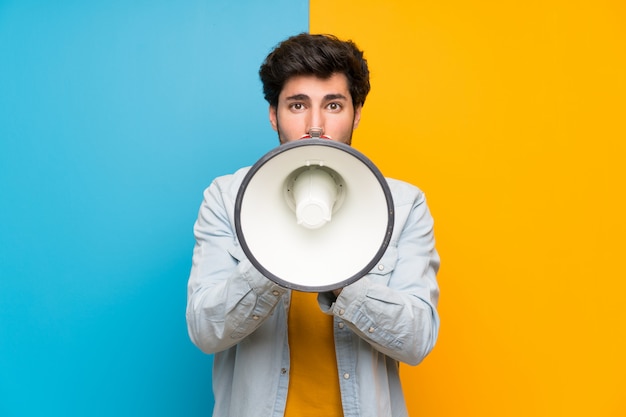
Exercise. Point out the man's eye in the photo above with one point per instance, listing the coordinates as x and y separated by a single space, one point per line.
334 106
297 106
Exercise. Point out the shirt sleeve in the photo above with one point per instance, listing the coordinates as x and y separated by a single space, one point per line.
394 307
227 298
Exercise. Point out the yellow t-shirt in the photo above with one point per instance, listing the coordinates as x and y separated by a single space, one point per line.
313 377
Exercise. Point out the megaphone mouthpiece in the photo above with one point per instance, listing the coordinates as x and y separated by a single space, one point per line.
315 133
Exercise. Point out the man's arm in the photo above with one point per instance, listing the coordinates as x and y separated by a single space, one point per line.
394 306
227 297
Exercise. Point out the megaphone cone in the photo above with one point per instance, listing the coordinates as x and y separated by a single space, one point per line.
314 215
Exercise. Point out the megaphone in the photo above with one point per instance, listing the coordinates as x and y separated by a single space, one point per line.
314 215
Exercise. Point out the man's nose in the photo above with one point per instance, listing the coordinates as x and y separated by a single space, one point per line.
316 121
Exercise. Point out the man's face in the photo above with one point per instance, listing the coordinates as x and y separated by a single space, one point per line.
307 102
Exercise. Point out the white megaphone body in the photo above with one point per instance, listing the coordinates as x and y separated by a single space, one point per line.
314 215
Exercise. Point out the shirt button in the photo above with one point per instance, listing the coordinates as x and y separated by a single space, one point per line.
275 292
341 311
283 371
255 317
381 267
346 376
371 330
340 325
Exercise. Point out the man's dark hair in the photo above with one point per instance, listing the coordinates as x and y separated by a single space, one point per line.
318 55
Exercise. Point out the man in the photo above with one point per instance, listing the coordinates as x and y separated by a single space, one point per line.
288 353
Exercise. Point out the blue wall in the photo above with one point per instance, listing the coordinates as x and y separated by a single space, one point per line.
114 116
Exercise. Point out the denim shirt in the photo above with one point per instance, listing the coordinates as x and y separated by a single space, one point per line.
387 317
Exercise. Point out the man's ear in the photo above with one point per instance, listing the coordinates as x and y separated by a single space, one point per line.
357 116
273 118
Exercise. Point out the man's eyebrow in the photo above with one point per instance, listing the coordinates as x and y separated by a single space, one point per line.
327 97
330 97
298 97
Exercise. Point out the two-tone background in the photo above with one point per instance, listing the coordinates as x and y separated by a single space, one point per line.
115 116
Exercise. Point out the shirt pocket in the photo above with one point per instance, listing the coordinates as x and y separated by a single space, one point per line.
381 272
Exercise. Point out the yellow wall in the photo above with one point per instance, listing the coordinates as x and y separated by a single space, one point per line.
512 117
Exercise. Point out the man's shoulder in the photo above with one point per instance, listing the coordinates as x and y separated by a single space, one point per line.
404 192
230 182
238 175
